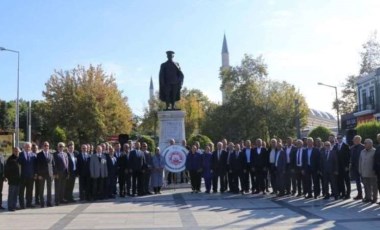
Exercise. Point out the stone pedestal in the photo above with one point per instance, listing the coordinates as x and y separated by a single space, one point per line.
172 126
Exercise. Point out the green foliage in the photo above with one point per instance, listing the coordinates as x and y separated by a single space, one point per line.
321 132
369 130
203 140
149 141
58 135
256 106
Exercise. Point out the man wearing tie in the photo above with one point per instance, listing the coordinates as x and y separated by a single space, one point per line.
296 167
137 161
147 168
83 169
329 168
280 169
126 166
60 173
260 165
98 172
290 149
72 172
272 158
233 168
120 168
218 167
247 172
27 161
311 161
45 173
344 182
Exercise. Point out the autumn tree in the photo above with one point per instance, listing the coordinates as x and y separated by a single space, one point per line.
193 102
86 104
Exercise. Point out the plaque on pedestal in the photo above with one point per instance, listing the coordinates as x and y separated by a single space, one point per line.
172 126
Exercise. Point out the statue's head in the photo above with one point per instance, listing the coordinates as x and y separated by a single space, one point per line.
170 54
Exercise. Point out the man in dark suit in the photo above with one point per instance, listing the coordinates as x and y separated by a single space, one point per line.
260 165
247 172
171 80
27 161
329 168
83 169
119 154
311 161
280 169
60 173
137 159
290 150
234 167
126 167
147 168
44 168
72 172
355 150
344 182
36 182
296 168
272 168
219 168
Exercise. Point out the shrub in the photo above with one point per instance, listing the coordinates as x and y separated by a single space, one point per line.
369 130
203 140
149 141
321 132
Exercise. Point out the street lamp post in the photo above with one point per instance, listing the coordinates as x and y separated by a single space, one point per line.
336 100
17 125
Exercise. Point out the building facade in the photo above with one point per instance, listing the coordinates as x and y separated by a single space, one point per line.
368 97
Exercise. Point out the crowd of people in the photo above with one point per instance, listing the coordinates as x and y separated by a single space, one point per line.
303 168
294 167
98 170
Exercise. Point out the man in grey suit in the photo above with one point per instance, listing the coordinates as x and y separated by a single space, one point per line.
45 173
60 173
330 168
98 172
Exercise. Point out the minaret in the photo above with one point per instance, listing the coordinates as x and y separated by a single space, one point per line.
151 89
225 54
225 64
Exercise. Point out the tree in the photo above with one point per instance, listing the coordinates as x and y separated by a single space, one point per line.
193 102
86 104
256 106
203 140
370 60
321 132
370 54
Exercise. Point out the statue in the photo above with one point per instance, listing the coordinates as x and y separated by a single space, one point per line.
171 80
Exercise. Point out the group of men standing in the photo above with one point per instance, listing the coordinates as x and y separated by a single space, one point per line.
98 171
303 168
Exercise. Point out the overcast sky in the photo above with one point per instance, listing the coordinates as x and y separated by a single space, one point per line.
303 42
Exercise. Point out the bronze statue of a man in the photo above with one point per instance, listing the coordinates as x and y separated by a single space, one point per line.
171 80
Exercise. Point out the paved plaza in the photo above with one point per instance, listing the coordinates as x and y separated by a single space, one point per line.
179 209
